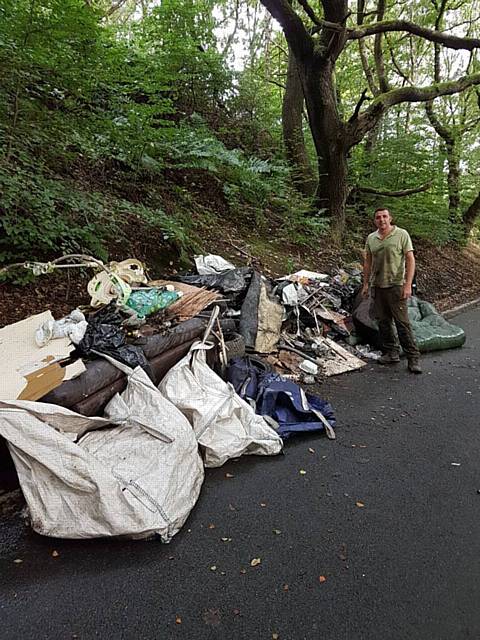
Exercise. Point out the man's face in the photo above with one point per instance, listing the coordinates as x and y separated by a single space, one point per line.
383 220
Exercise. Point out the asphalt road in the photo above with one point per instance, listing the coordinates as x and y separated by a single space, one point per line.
388 515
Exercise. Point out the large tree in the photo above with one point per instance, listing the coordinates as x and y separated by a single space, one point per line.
317 47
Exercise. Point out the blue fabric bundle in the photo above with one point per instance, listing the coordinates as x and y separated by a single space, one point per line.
287 403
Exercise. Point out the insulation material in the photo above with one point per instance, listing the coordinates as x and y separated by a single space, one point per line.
270 314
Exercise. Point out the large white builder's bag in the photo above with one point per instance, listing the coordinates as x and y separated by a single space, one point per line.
84 478
225 425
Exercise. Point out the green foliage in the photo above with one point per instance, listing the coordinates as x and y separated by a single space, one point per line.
402 160
43 217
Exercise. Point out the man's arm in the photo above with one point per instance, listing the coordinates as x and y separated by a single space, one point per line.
367 268
409 273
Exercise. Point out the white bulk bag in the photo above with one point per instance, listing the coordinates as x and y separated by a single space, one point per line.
225 425
137 479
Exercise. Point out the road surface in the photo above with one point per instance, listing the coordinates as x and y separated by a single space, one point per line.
380 538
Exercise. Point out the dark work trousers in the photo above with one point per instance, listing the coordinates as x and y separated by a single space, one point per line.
390 307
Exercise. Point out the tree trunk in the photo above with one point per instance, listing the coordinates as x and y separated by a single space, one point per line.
470 215
329 137
453 181
292 124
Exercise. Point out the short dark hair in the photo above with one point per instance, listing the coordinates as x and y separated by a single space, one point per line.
382 209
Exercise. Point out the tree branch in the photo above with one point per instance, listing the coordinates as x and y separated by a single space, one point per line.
380 104
362 99
395 194
378 51
471 214
363 55
452 42
115 7
295 32
310 12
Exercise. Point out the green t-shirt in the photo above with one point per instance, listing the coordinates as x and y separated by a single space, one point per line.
388 257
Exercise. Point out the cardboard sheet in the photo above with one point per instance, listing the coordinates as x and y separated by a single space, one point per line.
28 372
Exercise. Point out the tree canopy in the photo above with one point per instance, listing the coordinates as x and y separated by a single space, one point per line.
165 113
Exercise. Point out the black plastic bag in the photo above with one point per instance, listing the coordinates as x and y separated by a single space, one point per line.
231 281
105 334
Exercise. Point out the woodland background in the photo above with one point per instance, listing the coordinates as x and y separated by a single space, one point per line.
153 128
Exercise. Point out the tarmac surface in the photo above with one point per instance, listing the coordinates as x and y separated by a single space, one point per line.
380 538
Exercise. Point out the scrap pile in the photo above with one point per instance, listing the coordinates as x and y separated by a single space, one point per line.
157 380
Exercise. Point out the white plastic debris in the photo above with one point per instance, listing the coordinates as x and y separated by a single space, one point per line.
308 367
211 264
105 287
72 326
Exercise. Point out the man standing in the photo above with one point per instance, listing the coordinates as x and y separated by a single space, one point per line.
389 268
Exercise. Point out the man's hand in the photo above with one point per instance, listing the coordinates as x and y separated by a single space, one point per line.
406 291
365 291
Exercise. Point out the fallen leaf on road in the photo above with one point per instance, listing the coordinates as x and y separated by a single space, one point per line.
285 587
243 571
18 561
263 504
229 475
255 561
213 568
211 526
55 554
236 612
359 504
303 472
277 532
212 617
311 450
178 620
343 552
322 579
226 539
232 507
275 636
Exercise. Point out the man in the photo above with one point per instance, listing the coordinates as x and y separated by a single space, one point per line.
389 268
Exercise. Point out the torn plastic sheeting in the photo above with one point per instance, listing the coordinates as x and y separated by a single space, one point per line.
233 281
105 334
138 479
225 425
211 264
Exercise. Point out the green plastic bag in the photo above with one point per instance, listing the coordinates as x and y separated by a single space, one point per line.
147 301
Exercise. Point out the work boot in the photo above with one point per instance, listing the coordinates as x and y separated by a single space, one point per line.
389 358
413 366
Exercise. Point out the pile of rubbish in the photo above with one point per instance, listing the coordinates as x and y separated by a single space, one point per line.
159 379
